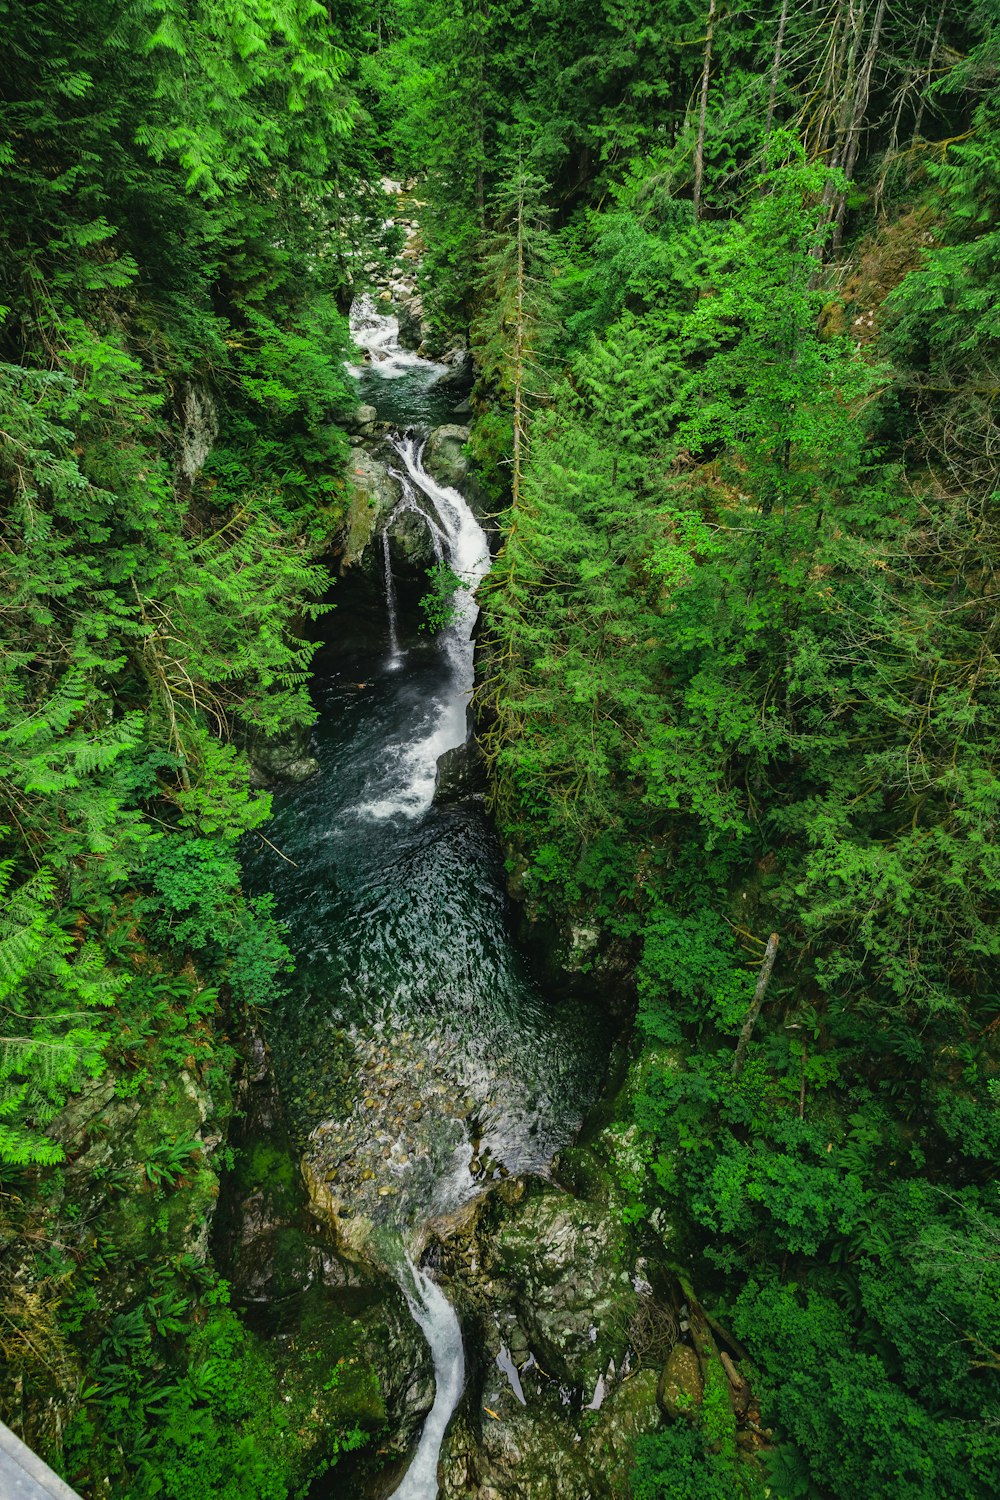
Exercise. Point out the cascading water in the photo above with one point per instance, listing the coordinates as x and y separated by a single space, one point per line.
419 1060
439 1324
468 552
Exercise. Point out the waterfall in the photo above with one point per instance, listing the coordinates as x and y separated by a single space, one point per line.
465 548
395 656
378 334
405 787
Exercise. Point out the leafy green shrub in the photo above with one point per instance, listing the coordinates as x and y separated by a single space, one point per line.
679 1464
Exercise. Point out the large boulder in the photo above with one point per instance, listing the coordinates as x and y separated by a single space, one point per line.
521 1453
629 1413
567 1266
444 455
284 758
536 1446
364 420
392 1345
411 544
373 494
410 315
460 773
458 375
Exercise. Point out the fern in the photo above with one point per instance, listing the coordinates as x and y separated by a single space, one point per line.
49 1039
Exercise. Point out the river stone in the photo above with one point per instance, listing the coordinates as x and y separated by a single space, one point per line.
364 420
444 458
373 494
680 1386
565 1262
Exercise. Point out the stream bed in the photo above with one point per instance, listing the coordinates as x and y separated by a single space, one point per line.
420 1061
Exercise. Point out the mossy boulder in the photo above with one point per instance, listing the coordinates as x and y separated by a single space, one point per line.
411 544
444 455
373 494
681 1388
546 1449
282 758
629 1413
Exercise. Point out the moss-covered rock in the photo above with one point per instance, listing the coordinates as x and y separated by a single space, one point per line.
411 543
373 494
444 455
680 1388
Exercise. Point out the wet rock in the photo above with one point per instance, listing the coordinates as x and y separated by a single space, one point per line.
373 495
364 420
543 1450
411 544
409 313
459 374
680 1387
524 1453
565 1261
444 458
460 773
519 1349
270 1258
285 758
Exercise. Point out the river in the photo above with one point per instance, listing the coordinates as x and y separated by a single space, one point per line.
419 1059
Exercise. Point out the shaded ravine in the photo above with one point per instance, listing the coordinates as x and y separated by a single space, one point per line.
418 1058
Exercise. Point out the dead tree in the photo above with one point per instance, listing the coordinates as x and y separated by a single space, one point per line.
770 953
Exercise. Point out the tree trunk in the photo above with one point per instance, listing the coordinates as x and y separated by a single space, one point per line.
859 110
699 150
819 129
